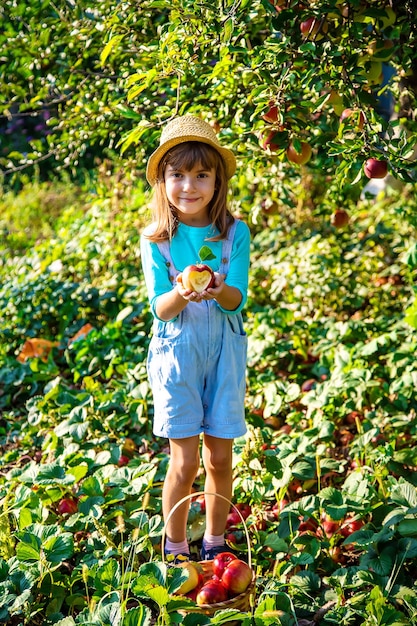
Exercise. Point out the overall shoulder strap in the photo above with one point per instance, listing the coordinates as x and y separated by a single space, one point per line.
227 248
165 250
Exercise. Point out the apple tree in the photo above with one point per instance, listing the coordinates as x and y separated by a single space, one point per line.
324 89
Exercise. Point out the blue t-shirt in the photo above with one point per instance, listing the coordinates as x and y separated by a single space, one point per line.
185 246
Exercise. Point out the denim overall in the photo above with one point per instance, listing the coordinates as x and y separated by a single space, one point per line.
197 366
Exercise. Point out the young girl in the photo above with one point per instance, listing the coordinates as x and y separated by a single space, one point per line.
197 355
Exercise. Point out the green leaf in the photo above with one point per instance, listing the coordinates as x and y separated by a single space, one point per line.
292 392
78 471
113 43
408 527
394 516
382 563
302 558
138 616
410 316
206 254
52 474
29 547
408 547
177 576
59 548
128 113
156 573
360 538
404 493
228 30
225 616
304 470
410 256
273 465
25 518
276 543
159 595
107 577
305 582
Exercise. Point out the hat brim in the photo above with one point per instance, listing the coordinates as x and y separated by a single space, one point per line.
155 158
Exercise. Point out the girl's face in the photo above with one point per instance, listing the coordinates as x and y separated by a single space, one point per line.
190 191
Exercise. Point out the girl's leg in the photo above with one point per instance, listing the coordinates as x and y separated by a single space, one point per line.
183 467
217 460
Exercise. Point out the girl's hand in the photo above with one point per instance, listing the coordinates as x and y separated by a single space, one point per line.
214 292
191 296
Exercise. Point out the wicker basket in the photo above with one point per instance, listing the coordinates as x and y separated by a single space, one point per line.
243 601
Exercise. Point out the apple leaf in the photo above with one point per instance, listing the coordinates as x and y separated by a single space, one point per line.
206 254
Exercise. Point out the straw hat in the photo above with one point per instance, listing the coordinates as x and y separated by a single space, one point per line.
187 128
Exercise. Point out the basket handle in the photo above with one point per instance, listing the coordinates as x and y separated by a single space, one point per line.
205 493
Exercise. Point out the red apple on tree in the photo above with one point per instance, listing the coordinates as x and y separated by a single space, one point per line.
299 152
340 218
221 561
271 115
237 577
270 142
375 168
355 117
314 28
212 592
269 207
279 5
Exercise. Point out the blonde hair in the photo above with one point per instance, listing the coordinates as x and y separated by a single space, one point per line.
185 156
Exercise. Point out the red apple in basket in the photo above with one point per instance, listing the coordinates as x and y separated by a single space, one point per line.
197 277
237 577
221 561
211 592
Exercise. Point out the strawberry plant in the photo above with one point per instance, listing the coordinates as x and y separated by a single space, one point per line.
324 478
